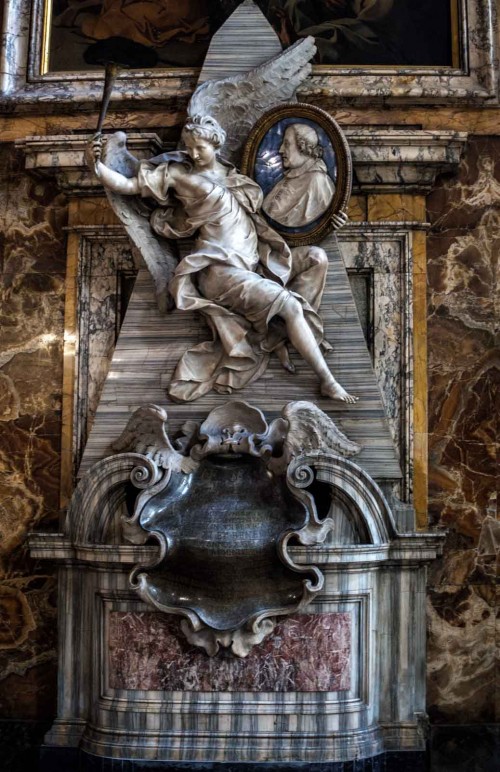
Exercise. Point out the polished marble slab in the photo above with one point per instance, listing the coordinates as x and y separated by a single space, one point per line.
307 652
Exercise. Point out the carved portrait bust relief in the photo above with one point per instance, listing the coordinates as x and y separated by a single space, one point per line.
306 186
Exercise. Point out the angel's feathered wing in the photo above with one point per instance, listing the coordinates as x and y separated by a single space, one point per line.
146 433
160 255
239 101
310 429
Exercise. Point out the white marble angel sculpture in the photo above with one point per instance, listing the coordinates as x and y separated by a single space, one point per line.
255 293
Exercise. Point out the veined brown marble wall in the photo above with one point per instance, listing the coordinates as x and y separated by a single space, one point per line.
32 265
464 426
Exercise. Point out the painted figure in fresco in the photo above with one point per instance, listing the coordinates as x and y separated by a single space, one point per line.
254 291
179 32
306 189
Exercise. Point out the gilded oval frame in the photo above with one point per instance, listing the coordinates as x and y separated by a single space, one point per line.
316 231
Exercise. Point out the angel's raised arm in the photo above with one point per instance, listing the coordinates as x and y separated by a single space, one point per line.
113 180
119 175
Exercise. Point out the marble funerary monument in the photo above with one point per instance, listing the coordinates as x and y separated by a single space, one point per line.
241 577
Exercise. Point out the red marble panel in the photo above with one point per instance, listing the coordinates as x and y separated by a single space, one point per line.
306 652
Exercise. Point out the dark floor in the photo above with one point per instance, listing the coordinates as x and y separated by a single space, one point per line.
451 749
409 762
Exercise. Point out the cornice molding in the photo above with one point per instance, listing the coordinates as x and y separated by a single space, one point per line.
385 160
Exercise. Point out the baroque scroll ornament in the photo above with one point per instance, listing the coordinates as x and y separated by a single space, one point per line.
255 292
224 509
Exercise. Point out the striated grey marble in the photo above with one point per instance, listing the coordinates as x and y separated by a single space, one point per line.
149 347
244 24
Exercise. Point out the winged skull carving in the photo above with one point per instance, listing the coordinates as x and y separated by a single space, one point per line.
235 426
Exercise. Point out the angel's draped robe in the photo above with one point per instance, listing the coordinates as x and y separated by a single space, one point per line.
240 275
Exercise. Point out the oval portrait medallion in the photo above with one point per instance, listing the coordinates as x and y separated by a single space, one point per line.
299 156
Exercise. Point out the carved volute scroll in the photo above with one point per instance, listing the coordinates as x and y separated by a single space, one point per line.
224 508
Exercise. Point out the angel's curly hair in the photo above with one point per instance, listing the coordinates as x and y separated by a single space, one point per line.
204 127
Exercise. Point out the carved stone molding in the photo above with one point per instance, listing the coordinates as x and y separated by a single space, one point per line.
407 160
24 86
62 156
384 160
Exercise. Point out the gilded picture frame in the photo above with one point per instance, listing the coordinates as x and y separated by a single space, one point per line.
349 33
300 157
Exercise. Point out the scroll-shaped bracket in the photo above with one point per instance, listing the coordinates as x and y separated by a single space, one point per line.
225 512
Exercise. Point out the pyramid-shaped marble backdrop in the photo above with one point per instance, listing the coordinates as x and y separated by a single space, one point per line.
150 344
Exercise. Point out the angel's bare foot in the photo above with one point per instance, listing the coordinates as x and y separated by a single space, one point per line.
284 356
334 390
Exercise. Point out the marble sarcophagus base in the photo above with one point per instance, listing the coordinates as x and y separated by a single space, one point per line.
337 674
